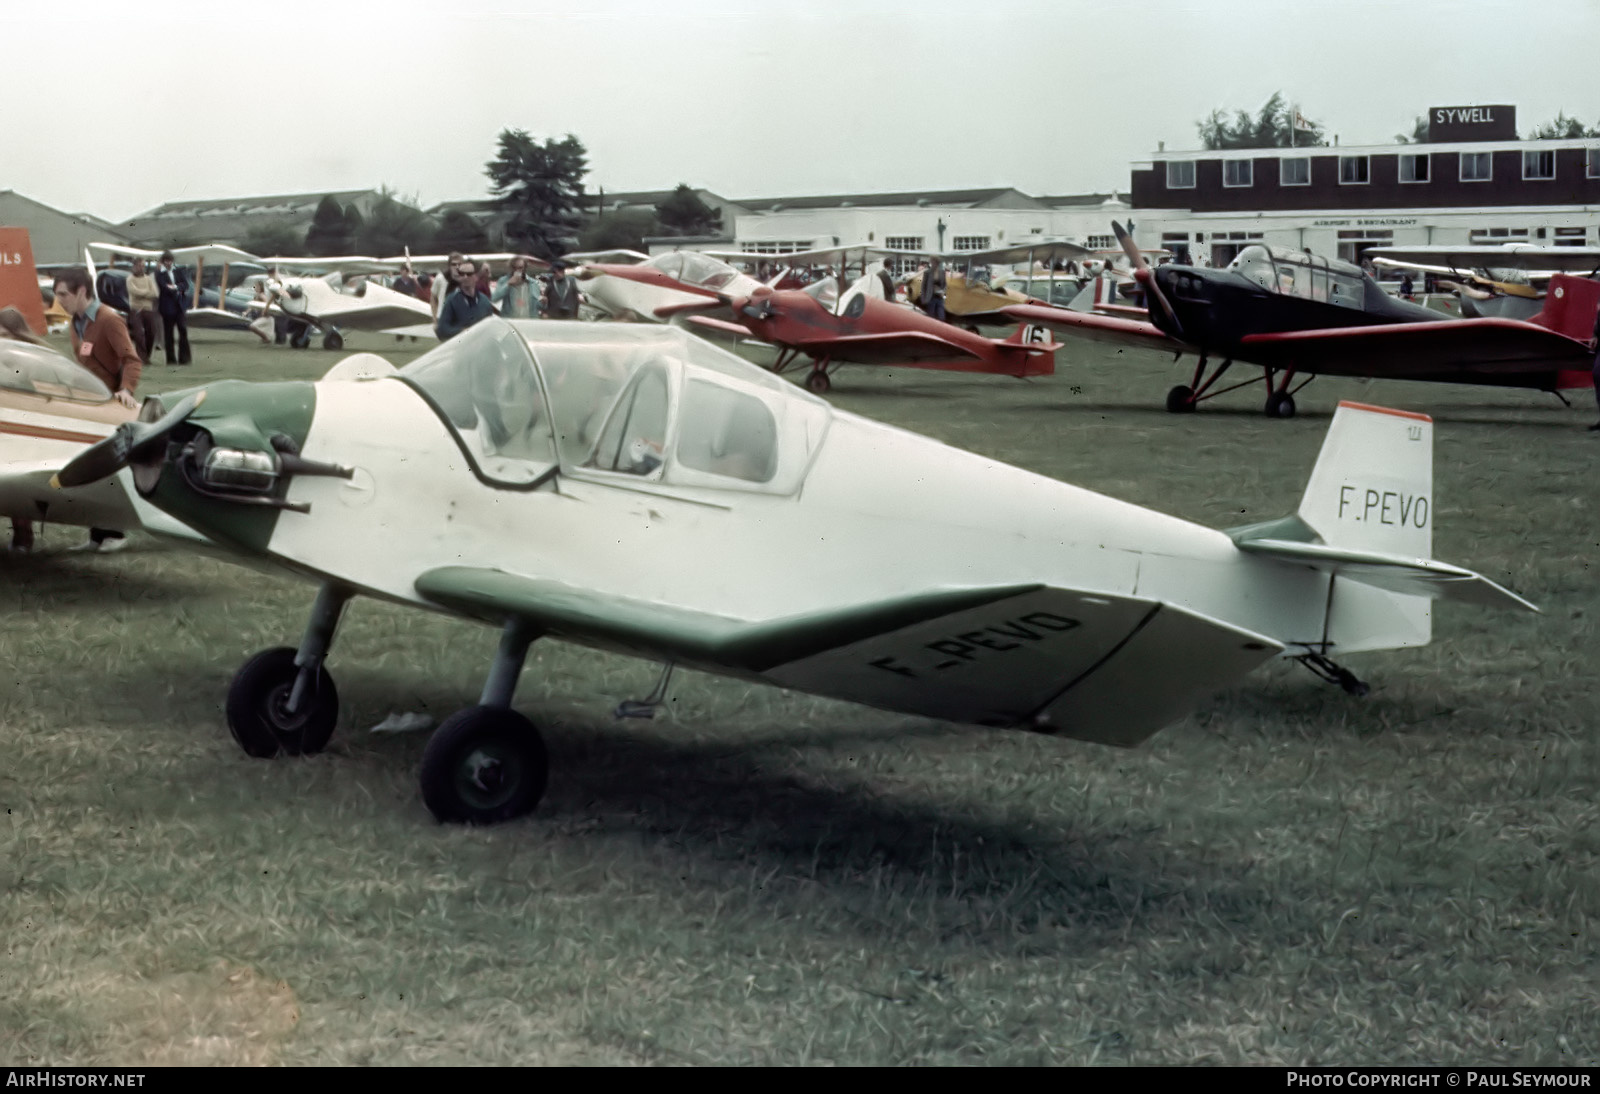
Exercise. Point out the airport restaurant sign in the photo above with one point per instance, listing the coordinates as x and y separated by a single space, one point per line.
1472 123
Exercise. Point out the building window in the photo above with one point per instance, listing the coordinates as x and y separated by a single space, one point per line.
1102 243
777 246
903 243
1414 168
1591 162
1571 237
1353 170
1497 235
1180 175
1238 172
1477 167
1295 172
1538 165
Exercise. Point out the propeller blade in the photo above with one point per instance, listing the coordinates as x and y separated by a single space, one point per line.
105 458
1145 276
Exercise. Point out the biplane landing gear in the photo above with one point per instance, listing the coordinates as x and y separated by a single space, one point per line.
333 340
282 701
1180 400
817 382
488 763
1280 404
1325 669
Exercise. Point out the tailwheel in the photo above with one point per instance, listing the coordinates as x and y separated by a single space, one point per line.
258 707
484 765
1180 400
1280 404
817 382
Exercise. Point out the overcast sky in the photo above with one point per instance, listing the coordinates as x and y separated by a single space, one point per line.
121 106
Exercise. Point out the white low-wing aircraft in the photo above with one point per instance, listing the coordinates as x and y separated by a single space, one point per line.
627 487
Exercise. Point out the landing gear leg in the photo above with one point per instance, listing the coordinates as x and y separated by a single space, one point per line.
1326 669
283 700
487 763
1280 402
647 707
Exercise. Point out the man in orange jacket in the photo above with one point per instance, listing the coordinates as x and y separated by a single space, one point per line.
101 344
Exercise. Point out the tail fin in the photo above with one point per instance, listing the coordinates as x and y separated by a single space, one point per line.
1569 306
1366 520
19 279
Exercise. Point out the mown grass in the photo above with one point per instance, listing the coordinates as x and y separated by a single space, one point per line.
1289 875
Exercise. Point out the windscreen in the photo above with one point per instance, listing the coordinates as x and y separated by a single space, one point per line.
40 370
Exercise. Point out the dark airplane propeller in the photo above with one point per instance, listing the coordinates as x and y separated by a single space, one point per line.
1146 277
131 441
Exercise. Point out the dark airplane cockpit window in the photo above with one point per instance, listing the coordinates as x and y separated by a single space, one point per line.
39 370
671 264
824 292
706 272
635 435
484 384
727 432
1255 264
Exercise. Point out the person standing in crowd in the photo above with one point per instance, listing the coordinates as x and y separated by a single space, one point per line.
14 328
172 285
444 284
485 278
405 283
1596 427
142 298
931 298
564 298
465 306
518 295
1407 286
100 343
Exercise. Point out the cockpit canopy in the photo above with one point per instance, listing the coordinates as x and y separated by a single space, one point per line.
526 397
695 269
1307 276
39 370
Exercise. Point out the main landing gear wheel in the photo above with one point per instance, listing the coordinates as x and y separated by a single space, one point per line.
818 383
1280 405
484 765
300 339
1180 400
257 707
333 340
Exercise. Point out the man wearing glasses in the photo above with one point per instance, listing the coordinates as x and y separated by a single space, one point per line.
465 306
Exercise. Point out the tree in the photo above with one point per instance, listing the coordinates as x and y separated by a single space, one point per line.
1272 127
1563 128
624 229
541 186
684 214
392 225
459 232
1419 132
268 240
329 233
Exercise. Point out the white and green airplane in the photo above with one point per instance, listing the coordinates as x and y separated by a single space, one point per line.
629 487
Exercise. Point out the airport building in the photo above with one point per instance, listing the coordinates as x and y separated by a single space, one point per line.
1472 181
57 238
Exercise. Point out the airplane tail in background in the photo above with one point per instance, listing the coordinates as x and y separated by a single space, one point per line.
1569 306
1366 520
19 278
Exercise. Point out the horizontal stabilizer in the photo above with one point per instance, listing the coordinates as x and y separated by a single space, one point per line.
1396 573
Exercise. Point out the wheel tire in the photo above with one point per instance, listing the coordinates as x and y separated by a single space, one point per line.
1180 400
256 699
333 340
300 341
817 382
484 765
1280 405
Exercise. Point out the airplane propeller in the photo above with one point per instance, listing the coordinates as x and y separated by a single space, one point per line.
1145 276
131 441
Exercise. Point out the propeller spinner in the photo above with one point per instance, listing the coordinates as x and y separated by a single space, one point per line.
1146 276
131 441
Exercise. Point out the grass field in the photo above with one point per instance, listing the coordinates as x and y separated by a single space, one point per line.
1289 875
